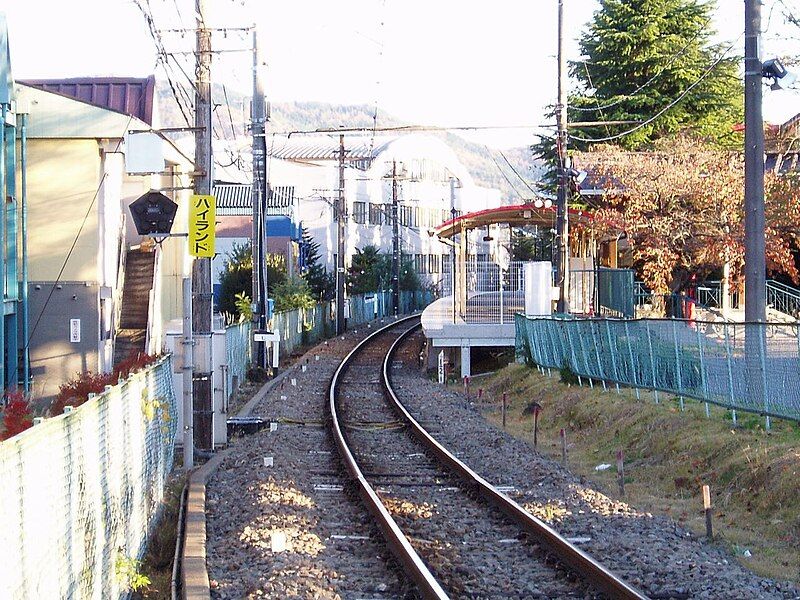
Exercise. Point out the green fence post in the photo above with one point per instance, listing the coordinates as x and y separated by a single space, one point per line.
762 331
630 353
549 325
611 351
677 362
652 358
730 373
703 379
584 353
600 371
572 352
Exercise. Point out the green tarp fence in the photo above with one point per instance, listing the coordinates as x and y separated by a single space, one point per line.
749 367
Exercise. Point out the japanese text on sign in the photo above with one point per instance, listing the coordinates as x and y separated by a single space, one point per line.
202 215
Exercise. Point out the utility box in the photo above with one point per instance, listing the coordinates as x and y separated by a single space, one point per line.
538 289
173 338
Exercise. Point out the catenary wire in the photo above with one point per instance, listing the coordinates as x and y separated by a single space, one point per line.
683 94
671 60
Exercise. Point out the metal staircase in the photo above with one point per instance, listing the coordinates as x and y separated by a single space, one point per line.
136 292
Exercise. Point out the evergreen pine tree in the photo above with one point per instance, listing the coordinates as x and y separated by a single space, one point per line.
644 54
317 277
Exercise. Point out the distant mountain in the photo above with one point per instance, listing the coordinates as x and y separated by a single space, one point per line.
488 167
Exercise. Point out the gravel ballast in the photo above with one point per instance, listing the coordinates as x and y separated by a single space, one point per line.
296 529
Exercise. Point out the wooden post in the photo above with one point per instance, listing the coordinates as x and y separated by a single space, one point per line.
537 408
563 435
466 385
505 401
621 472
480 393
707 509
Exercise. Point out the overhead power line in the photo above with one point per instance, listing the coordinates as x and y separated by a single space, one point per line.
521 178
624 97
419 128
683 94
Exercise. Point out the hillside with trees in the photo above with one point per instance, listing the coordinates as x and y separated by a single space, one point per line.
231 114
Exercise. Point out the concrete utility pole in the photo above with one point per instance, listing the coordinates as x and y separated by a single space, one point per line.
754 242
188 377
755 284
453 245
341 211
562 218
395 243
259 194
201 269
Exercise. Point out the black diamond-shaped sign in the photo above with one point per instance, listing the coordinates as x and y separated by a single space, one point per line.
153 213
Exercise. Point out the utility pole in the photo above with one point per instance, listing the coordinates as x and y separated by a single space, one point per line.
201 268
562 214
395 243
453 245
754 242
259 192
755 285
341 245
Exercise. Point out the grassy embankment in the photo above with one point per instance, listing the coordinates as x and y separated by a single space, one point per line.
669 455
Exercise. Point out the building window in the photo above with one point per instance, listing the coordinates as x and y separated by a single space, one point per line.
419 263
375 214
404 216
433 263
360 212
387 210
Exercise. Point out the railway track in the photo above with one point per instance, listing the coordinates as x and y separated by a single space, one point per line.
453 533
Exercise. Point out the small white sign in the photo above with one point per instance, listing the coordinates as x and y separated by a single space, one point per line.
265 336
74 330
441 366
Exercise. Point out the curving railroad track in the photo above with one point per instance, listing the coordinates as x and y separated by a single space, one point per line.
453 533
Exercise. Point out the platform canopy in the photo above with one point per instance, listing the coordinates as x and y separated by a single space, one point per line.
518 214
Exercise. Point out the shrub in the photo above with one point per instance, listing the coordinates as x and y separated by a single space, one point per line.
135 362
17 415
76 391
291 294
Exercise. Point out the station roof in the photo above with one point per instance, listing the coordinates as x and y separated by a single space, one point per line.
518 214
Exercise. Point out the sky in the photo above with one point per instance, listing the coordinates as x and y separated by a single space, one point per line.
432 62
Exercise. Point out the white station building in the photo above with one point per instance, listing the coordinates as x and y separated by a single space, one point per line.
430 183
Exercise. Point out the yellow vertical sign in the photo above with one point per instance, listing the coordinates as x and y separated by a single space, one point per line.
202 216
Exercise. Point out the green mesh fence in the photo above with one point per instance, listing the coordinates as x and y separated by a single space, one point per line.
302 327
80 492
750 367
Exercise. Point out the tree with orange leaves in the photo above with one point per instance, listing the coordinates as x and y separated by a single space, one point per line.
680 206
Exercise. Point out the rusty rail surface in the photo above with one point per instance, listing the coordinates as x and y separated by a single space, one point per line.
573 557
398 543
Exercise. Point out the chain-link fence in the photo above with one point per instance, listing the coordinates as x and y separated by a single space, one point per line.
751 367
302 327
238 351
80 492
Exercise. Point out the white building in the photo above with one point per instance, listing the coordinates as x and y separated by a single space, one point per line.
432 186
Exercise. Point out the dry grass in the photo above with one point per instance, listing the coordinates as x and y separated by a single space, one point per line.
157 563
669 455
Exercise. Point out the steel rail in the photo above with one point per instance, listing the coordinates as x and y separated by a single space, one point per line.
570 555
398 543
